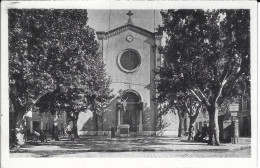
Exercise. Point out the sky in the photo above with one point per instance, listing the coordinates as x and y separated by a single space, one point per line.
99 19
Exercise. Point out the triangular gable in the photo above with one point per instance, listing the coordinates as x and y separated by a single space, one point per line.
136 29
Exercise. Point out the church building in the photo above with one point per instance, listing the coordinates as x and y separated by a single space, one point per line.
130 54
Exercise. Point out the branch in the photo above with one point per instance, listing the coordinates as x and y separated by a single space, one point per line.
194 117
179 112
215 71
204 98
197 97
197 110
17 106
226 69
234 81
231 87
187 108
220 89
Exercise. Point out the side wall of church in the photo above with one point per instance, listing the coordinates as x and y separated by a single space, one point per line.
169 124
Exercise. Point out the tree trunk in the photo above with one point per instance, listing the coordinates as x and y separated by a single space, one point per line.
75 130
181 121
96 122
216 127
17 133
191 127
211 123
213 126
193 118
181 115
75 125
20 128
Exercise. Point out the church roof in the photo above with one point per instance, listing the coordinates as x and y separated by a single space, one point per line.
128 26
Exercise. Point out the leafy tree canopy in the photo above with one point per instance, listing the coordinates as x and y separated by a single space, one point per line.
54 60
207 54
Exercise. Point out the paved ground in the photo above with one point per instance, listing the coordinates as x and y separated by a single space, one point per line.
246 153
132 147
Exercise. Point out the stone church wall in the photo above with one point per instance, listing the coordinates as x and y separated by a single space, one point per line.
141 81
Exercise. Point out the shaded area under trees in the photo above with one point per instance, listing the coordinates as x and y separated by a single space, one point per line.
53 53
209 52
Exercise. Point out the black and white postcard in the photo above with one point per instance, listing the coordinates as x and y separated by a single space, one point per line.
129 84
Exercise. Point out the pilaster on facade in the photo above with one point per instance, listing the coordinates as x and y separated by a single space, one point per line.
101 36
158 39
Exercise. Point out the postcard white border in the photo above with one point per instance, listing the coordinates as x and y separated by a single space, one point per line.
126 162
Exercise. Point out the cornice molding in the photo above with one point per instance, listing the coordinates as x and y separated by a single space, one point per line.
139 30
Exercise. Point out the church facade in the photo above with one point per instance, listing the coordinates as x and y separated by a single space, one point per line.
130 54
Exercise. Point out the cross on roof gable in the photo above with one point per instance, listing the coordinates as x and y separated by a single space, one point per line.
129 14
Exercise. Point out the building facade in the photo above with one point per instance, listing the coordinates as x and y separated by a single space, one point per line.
244 118
36 121
130 54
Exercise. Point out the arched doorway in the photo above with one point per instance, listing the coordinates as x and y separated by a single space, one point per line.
131 114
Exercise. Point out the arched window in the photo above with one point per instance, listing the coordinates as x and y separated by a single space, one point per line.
130 97
129 60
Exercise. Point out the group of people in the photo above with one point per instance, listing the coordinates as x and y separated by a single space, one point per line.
202 135
41 135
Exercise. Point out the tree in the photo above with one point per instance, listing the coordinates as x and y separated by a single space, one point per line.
174 106
174 97
182 113
210 50
54 62
171 96
193 108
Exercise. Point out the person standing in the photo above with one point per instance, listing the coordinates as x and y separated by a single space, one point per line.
70 130
55 128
